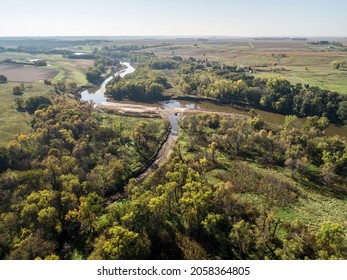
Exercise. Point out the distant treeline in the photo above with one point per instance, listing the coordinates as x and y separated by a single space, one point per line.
337 44
37 62
280 38
42 45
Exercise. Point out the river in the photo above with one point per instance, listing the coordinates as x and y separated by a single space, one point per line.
97 95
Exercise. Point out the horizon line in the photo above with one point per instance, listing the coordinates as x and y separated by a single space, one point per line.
179 36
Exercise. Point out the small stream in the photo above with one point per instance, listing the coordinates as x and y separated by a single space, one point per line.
97 95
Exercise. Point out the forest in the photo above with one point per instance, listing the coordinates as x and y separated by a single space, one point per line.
75 159
58 183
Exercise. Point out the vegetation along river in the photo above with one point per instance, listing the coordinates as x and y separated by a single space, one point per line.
169 106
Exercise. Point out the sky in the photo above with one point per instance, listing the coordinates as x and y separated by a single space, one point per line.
313 18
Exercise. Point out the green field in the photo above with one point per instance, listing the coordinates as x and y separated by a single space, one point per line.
12 122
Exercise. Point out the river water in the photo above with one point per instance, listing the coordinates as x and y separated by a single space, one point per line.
97 95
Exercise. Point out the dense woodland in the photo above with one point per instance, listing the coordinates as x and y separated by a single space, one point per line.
143 84
56 182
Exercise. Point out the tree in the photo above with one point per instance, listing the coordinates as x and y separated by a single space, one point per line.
60 87
144 139
316 124
243 238
120 243
155 89
342 110
195 200
4 159
87 213
94 75
72 87
40 62
106 179
3 79
331 241
32 245
291 122
338 64
17 90
36 102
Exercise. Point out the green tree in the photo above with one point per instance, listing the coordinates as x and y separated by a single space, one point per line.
316 123
94 75
87 213
194 202
32 245
36 102
40 62
120 243
17 90
338 64
342 110
331 241
4 159
60 87
106 179
3 79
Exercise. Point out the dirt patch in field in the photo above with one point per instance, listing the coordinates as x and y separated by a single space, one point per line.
26 74
81 64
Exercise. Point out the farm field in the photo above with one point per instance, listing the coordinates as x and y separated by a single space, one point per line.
16 73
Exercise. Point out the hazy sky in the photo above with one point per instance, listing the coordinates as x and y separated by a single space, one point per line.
174 17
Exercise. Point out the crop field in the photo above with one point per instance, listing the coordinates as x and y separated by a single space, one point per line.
16 73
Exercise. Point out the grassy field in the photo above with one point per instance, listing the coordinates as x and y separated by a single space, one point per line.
12 122
303 63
